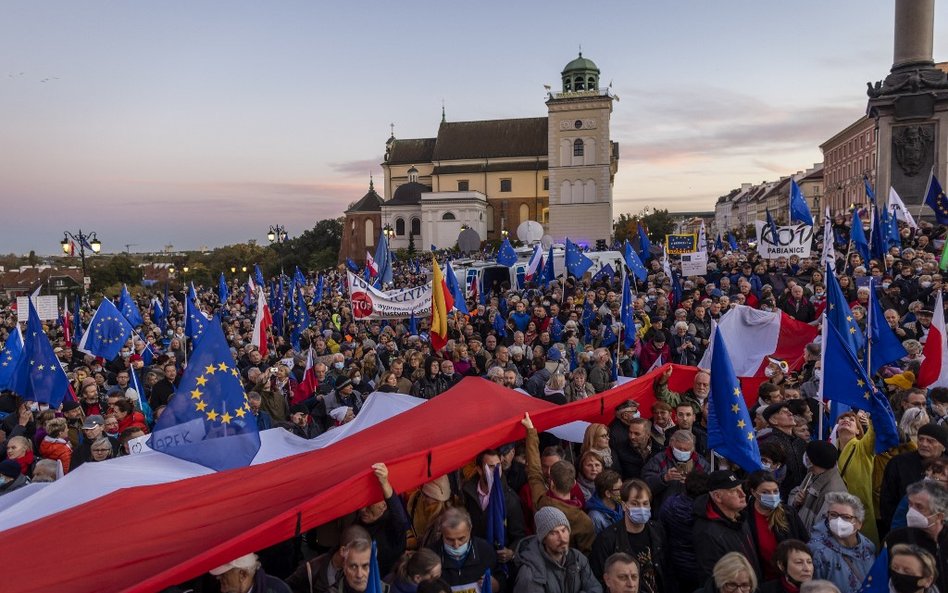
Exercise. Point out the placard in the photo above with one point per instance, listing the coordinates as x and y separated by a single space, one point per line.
368 302
694 264
47 306
681 243
791 240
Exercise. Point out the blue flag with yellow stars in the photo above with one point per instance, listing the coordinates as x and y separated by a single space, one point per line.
884 345
633 262
858 236
732 241
877 581
258 276
107 332
627 315
847 383
506 256
194 322
799 209
10 358
840 315
936 200
223 293
129 308
645 246
730 430
42 379
576 261
208 420
454 287
605 273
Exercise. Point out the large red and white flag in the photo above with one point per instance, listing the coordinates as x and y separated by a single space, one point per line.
753 336
371 265
934 369
305 389
535 263
261 324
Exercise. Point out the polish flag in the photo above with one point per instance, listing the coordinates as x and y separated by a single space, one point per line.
753 336
536 263
305 389
251 284
261 324
934 369
371 265
473 289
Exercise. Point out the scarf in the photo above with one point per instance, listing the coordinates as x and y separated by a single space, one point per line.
605 454
25 462
597 504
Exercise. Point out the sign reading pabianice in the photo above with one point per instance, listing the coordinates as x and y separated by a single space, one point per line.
47 307
681 243
368 302
791 240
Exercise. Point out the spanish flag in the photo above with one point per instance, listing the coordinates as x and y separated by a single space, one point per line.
441 303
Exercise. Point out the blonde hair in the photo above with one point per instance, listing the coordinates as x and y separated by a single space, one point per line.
730 566
589 439
56 427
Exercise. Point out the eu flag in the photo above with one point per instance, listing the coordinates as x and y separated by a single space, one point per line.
195 322
645 247
10 359
877 581
222 292
454 287
577 263
318 293
936 200
383 259
41 377
799 210
840 315
871 195
506 256
129 308
732 241
352 266
258 275
500 325
547 275
412 325
77 320
879 236
633 262
847 383
718 245
608 336
884 345
375 578
496 512
730 430
858 237
627 315
773 228
556 329
158 314
298 277
604 273
587 318
142 400
107 332
208 420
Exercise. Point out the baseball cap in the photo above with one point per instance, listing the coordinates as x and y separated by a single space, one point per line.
93 421
722 479
247 562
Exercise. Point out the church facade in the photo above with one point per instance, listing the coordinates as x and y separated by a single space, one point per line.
493 175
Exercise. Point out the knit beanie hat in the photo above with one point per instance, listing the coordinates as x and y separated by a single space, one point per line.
936 432
10 468
547 519
822 454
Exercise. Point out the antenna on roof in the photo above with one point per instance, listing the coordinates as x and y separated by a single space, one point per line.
392 126
442 110
580 50
371 183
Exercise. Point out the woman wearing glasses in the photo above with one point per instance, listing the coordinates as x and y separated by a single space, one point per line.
733 573
841 553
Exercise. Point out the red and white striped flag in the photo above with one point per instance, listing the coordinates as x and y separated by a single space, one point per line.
261 324
371 265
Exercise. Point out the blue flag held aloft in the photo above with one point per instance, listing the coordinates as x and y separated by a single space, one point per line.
840 315
383 259
877 581
730 430
142 400
879 236
858 237
604 273
577 263
645 246
375 577
454 287
258 276
352 266
195 322
129 308
847 383
107 332
871 195
627 315
608 336
884 346
222 291
41 377
718 244
208 421
506 256
496 511
936 200
10 359
633 262
77 322
732 241
799 209
547 275
298 278
556 329
413 325
500 325
773 228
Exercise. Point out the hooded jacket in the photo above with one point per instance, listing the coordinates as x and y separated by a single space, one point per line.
540 574
719 535
846 567
614 539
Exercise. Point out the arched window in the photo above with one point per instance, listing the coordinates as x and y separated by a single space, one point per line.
566 192
448 216
369 232
591 83
416 226
578 147
578 83
400 227
545 216
524 213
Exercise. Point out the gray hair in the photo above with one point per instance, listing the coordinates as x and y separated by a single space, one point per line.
937 495
818 586
254 396
515 350
495 372
845 498
454 517
682 436
681 324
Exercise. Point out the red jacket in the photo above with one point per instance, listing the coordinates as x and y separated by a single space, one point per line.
135 419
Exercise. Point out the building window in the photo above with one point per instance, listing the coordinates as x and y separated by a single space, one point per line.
546 184
578 83
400 227
369 232
448 216
578 147
463 185
505 185
524 213
416 226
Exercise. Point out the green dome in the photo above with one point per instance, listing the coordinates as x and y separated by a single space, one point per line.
581 64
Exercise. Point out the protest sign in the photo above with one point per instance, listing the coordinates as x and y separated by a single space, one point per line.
694 264
790 240
47 307
681 243
368 302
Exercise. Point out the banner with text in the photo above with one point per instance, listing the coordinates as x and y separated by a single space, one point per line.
368 302
790 240
47 307
681 243
694 264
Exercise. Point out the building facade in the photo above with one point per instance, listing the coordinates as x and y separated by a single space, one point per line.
362 227
847 157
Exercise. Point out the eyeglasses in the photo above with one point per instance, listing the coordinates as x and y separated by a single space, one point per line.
102 450
835 515
732 587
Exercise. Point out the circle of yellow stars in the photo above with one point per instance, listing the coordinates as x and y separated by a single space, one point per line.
98 330
736 408
201 406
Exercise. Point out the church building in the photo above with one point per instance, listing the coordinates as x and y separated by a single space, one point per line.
492 175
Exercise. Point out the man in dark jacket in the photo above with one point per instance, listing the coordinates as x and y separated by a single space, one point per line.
780 419
322 573
719 523
386 521
637 449
905 469
636 535
92 428
665 473
476 492
547 562
464 557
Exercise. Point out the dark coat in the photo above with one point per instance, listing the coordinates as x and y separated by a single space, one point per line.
794 448
516 529
390 533
719 535
613 539
479 558
678 519
631 461
901 471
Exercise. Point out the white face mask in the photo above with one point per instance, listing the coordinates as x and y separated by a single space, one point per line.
681 456
841 528
914 518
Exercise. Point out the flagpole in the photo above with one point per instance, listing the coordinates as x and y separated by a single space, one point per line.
822 375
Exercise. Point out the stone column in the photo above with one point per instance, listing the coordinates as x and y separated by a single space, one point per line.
914 34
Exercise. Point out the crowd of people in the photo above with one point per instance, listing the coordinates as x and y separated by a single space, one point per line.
641 505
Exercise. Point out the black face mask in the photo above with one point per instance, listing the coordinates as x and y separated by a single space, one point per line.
903 583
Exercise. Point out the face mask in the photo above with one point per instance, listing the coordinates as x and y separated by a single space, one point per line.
903 583
458 552
338 365
356 380
681 456
841 528
769 501
885 285
636 414
639 515
766 466
820 293
926 284
914 518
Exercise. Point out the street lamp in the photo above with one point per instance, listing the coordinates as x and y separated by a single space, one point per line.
233 269
243 268
389 232
84 240
277 233
185 269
